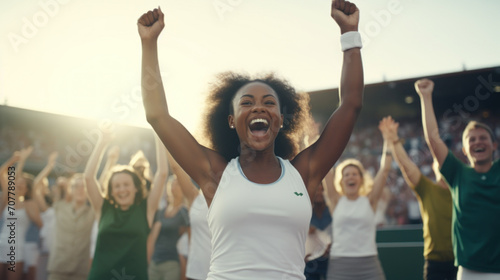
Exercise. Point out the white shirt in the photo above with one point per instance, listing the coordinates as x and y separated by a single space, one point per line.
200 247
353 228
259 230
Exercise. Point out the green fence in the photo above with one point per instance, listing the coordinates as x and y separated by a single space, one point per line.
400 250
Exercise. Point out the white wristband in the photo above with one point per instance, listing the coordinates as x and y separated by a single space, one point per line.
349 40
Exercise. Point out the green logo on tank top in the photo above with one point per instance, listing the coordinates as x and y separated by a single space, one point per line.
298 194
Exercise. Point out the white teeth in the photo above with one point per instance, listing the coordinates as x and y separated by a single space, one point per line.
259 120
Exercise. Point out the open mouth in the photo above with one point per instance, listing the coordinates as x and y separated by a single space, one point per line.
259 127
479 150
123 197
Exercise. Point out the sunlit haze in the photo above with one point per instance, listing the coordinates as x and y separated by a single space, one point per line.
82 58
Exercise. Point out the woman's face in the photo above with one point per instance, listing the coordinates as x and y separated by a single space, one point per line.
257 117
123 189
351 180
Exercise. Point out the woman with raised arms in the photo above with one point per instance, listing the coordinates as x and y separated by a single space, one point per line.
257 186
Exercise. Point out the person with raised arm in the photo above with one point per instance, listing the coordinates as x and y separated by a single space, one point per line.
198 262
435 207
34 241
39 183
111 160
475 190
257 186
32 246
69 220
353 200
170 224
17 203
141 165
69 252
126 215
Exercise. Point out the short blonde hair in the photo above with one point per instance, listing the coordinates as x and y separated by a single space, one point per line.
474 125
367 181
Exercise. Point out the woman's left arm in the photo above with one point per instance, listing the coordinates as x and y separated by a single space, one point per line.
314 162
158 181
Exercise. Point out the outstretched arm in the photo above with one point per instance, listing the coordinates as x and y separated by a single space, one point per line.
158 181
331 193
200 163
111 160
314 162
39 184
410 170
24 154
188 189
437 146
380 180
91 184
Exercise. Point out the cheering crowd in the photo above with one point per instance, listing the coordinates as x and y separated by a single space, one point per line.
254 193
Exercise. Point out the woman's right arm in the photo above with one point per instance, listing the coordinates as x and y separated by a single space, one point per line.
203 165
90 173
332 195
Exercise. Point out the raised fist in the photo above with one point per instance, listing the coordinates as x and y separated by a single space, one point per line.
389 129
346 14
424 87
151 24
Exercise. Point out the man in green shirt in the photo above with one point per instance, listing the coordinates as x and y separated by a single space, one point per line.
475 190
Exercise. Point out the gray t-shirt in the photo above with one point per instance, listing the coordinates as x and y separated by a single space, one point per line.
166 243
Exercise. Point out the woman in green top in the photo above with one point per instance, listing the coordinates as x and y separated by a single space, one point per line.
125 213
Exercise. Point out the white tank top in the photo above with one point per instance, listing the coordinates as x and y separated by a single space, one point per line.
353 228
259 230
200 248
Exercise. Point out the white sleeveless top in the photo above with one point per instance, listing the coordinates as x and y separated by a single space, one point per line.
259 230
200 248
354 228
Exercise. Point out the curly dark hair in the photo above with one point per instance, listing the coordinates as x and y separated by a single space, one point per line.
294 107
138 183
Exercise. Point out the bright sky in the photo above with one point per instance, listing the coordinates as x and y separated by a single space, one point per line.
82 57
